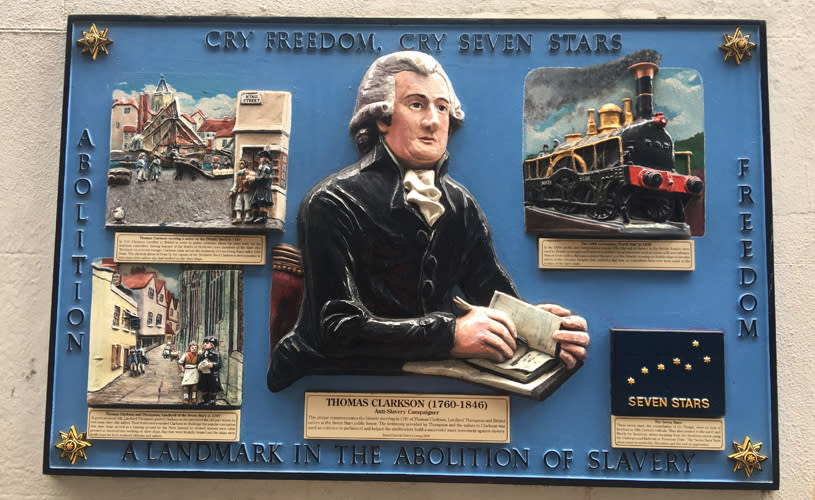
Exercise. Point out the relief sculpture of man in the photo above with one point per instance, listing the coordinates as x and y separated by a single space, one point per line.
389 240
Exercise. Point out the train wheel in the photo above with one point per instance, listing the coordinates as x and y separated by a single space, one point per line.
659 209
605 210
584 193
679 210
564 180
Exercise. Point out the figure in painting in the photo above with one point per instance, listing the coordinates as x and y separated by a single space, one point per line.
387 240
155 169
262 196
209 364
188 364
142 361
141 167
133 361
241 193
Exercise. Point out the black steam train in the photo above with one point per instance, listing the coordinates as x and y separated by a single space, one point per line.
618 169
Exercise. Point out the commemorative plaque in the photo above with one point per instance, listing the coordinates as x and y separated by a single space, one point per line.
504 251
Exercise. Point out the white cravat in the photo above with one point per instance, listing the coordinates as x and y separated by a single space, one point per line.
421 190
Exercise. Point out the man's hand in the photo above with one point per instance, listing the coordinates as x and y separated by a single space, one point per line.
572 335
484 333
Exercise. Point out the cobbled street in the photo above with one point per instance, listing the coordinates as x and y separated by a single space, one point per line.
160 384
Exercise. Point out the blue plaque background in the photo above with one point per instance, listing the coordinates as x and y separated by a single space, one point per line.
487 154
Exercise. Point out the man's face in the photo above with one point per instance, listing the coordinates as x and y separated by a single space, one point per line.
420 124
208 346
193 348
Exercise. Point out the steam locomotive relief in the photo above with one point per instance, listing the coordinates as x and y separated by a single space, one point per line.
624 168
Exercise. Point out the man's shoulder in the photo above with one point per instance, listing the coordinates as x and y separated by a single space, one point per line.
333 185
457 194
354 180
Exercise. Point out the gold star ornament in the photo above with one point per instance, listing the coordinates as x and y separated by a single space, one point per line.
73 445
738 46
747 456
94 42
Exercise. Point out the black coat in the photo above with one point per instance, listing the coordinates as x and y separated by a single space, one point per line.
262 195
378 280
210 382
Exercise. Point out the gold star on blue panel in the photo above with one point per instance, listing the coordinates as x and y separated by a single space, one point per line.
73 445
738 46
747 456
94 41
667 365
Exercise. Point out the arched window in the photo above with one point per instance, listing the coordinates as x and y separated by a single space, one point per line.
158 319
151 293
149 319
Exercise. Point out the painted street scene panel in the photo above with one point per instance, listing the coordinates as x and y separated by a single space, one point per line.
197 159
166 335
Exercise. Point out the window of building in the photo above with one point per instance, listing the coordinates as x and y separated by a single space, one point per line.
117 124
158 319
149 319
220 294
127 111
117 311
280 173
115 356
161 297
250 155
151 293
131 320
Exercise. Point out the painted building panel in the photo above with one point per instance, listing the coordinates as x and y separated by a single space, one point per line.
111 335
263 123
211 305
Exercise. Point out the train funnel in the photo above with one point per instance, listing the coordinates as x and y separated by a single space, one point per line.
644 77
